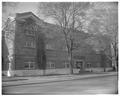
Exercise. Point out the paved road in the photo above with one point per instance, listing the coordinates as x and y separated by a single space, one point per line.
99 85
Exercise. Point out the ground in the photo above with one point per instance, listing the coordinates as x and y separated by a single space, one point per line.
94 85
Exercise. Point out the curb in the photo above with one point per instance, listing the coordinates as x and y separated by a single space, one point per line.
68 79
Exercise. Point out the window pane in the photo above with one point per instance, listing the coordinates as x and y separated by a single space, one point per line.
52 66
30 44
49 46
29 65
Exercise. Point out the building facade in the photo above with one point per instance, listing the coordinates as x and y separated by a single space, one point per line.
29 45
40 45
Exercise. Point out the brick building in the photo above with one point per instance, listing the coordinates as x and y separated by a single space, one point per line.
39 44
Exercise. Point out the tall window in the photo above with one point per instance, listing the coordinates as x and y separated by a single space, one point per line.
30 44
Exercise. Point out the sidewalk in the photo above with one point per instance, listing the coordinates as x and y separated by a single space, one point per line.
17 81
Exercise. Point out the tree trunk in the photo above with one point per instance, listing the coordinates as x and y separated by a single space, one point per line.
114 57
71 62
103 61
114 63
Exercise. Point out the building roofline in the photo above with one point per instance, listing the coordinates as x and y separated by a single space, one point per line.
25 15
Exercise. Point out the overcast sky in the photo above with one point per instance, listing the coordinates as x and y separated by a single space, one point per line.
23 7
33 7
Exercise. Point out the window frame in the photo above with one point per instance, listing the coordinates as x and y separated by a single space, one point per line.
30 44
67 65
49 46
29 63
49 65
88 65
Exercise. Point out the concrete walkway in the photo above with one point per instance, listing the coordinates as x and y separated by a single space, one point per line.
17 81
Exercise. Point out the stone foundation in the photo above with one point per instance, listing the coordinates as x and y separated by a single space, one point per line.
52 71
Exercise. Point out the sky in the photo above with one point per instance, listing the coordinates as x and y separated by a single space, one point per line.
33 7
23 7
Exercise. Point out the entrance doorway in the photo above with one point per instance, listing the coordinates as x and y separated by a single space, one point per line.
80 64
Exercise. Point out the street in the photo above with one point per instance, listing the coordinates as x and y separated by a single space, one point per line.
95 85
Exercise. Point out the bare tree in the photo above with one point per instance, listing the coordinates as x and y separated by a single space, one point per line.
104 22
8 10
68 16
8 22
8 33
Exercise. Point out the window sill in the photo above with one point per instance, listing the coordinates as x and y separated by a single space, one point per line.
29 47
28 69
29 35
